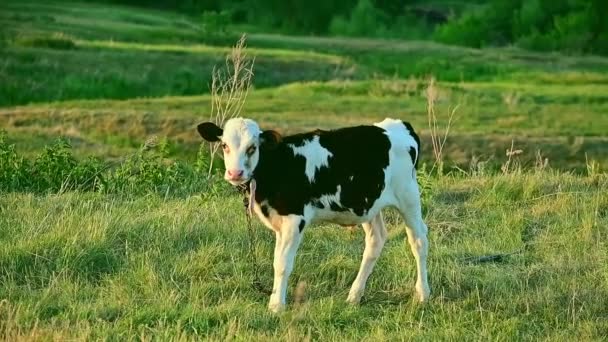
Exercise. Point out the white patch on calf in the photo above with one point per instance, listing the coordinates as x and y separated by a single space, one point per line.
343 217
401 140
327 200
316 156
397 133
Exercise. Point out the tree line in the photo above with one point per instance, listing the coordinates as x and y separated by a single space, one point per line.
573 26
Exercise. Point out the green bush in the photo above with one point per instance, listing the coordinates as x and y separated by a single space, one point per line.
571 32
530 18
364 20
51 170
408 26
13 168
469 30
144 171
149 170
537 41
215 23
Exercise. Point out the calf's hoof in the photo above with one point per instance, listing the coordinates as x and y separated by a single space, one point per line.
276 307
353 299
423 293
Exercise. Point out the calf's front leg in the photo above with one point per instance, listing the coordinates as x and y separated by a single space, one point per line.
288 240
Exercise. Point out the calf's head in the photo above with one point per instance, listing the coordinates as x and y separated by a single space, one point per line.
240 140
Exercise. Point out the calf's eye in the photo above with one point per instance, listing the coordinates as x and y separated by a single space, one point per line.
250 150
225 148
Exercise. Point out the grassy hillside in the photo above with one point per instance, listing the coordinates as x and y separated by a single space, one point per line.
149 248
86 51
565 126
545 103
57 52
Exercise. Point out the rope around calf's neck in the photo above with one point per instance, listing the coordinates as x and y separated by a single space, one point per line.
248 206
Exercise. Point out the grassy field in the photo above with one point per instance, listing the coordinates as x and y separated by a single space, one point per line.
159 252
159 268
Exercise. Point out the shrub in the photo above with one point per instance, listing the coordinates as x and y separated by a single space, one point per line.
339 26
468 31
87 175
537 41
364 20
13 168
52 168
572 33
530 18
409 26
149 170
215 23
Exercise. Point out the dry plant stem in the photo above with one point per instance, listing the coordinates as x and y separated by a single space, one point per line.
510 153
447 130
431 96
437 141
229 90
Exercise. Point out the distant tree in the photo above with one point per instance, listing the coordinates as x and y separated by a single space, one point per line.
576 26
364 20
296 16
215 23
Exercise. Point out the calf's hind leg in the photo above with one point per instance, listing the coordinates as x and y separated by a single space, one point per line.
411 210
375 236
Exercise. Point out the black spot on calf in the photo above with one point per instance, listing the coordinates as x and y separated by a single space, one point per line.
265 210
336 207
318 204
414 156
358 153
413 153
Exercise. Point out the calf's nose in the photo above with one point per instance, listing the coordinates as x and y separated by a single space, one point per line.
235 174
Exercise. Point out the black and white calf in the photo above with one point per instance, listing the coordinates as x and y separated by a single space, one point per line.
344 176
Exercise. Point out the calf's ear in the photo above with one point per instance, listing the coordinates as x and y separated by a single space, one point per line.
209 131
271 138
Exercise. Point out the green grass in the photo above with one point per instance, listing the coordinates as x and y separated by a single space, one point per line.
449 63
96 21
565 123
61 51
282 55
40 74
82 265
164 255
152 53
